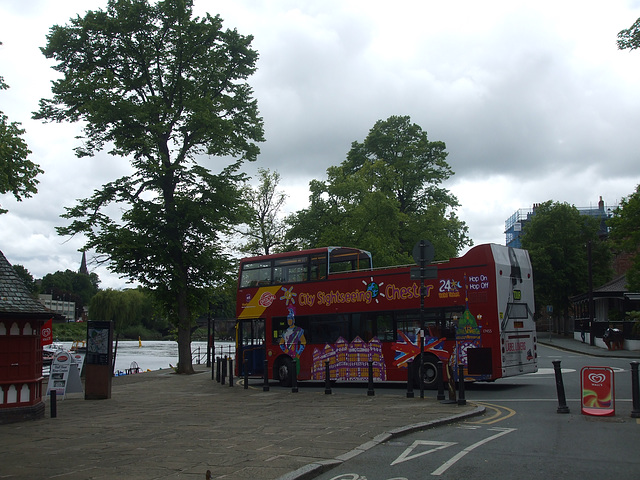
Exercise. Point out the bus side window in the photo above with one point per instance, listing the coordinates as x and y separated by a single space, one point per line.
318 267
409 324
362 326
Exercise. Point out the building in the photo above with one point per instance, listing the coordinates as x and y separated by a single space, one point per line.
514 225
21 321
61 307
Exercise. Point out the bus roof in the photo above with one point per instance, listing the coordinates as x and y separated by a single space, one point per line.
332 251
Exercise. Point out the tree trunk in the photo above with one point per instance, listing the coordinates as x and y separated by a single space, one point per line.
184 349
184 335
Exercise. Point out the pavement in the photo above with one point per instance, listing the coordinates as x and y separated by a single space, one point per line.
567 343
160 425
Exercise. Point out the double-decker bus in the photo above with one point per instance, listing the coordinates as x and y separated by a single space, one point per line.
305 308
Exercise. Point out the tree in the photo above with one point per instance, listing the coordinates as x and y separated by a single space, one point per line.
630 38
160 87
71 286
384 197
132 311
625 234
556 238
17 172
26 277
264 230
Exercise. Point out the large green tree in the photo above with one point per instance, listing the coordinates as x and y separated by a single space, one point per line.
17 172
557 240
265 230
160 87
384 197
625 234
71 286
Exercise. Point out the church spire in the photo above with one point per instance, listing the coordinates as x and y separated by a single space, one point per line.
83 265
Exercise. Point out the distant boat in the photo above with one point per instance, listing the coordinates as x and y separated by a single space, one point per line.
79 346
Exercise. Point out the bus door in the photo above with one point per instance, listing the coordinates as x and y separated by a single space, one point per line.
250 346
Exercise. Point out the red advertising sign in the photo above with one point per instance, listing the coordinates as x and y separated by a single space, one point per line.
598 391
46 334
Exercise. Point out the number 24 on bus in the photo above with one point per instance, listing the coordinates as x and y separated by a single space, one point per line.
310 307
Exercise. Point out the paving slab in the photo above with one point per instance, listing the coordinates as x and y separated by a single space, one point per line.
160 425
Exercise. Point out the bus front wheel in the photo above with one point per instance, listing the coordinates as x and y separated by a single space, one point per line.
283 370
430 375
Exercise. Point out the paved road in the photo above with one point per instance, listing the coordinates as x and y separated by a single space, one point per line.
521 434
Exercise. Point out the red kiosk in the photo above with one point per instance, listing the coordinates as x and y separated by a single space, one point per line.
21 319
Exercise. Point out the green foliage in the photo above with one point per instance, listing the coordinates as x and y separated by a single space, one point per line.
71 286
69 332
264 230
630 37
132 312
26 278
384 197
557 238
625 235
17 172
159 87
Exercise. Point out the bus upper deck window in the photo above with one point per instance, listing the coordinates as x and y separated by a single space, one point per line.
255 274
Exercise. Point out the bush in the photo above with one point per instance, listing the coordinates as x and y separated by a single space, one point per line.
69 332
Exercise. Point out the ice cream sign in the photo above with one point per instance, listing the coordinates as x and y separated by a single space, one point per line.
597 391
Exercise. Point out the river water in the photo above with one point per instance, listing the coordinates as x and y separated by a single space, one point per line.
154 355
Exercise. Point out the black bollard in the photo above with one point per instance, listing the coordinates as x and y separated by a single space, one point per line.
562 400
54 405
635 394
370 391
265 386
218 366
410 379
231 371
294 376
246 374
461 399
223 375
440 385
213 369
327 378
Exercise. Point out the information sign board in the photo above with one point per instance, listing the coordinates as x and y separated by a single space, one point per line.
598 391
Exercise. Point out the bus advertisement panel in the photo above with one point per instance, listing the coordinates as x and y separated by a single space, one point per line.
311 307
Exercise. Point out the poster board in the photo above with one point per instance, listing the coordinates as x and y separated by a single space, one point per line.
64 376
598 391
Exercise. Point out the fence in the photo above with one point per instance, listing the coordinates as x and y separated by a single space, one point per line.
199 354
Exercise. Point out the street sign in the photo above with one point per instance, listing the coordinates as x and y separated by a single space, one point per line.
598 391
423 251
430 273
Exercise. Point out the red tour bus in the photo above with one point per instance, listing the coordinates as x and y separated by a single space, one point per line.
310 307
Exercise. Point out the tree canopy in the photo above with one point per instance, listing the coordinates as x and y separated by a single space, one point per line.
265 230
625 234
384 197
630 37
159 87
557 238
17 173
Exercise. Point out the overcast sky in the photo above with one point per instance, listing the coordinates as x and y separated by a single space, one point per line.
533 100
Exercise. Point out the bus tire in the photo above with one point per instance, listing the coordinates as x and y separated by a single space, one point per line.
430 374
282 370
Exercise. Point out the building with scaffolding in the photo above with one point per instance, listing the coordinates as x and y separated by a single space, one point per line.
514 225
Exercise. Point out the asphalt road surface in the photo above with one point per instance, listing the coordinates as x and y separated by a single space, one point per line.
521 435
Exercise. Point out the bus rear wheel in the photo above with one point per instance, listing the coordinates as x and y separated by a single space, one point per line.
430 375
282 371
